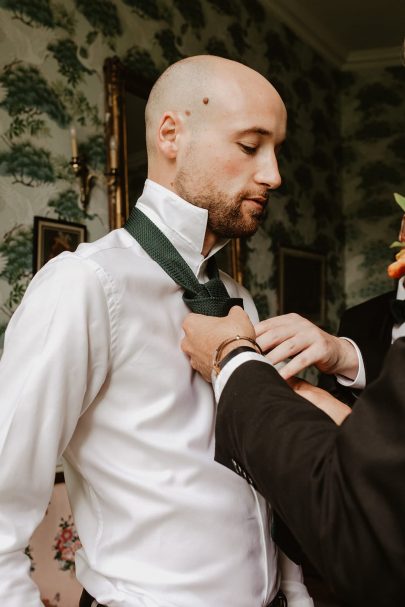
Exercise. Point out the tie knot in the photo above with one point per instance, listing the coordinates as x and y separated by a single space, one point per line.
211 299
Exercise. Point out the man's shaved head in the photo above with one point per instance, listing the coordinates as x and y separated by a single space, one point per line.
213 128
194 85
178 89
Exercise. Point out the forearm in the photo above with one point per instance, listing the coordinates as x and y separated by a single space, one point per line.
336 409
334 494
262 434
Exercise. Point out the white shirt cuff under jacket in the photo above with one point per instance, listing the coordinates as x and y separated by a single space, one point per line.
219 381
292 582
359 382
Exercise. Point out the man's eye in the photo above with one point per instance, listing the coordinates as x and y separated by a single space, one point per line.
247 149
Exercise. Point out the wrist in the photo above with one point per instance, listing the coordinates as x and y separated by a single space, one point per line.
234 352
348 362
226 348
241 342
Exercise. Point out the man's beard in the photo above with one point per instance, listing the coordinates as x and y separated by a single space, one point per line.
225 215
226 218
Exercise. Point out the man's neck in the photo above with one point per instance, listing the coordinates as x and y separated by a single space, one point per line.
210 240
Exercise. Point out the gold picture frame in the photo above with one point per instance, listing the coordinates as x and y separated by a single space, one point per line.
53 236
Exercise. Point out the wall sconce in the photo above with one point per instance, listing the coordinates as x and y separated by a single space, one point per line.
87 179
80 169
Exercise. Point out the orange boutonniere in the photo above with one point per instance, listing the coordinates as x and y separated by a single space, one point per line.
397 268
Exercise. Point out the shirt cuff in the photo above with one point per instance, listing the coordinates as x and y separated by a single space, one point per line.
359 382
294 594
292 582
219 381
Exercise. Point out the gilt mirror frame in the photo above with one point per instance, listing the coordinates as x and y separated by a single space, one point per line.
119 81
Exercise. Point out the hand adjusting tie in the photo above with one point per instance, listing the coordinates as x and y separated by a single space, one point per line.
216 365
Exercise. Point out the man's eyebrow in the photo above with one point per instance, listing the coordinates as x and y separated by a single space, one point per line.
255 130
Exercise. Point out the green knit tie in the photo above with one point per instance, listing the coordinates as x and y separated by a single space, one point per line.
210 298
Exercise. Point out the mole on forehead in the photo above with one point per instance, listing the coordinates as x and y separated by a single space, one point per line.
205 100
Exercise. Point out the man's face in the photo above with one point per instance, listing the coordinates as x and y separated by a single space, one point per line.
229 163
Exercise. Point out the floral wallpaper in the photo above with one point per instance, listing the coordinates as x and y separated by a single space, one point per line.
340 164
373 130
51 552
51 77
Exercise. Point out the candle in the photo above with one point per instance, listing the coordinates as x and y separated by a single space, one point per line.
73 142
113 153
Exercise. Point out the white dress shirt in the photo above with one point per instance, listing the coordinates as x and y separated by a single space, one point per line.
92 369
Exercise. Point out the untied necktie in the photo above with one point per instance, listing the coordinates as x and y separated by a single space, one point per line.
210 298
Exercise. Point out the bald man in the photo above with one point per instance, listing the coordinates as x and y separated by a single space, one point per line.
92 370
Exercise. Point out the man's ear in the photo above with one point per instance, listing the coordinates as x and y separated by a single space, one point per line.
168 134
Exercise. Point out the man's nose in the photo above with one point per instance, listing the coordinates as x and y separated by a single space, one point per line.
268 173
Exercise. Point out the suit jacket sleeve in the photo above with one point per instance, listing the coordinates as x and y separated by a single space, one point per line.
340 490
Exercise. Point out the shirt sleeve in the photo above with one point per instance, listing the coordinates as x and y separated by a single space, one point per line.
219 381
292 583
55 360
359 382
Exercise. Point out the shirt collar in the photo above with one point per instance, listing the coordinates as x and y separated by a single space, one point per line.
182 222
401 289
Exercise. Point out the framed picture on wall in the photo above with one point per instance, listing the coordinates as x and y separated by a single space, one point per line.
302 284
52 236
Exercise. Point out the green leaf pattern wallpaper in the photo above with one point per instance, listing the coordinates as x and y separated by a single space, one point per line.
341 162
373 168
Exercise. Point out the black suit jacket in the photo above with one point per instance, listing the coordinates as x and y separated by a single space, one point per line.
340 489
369 325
